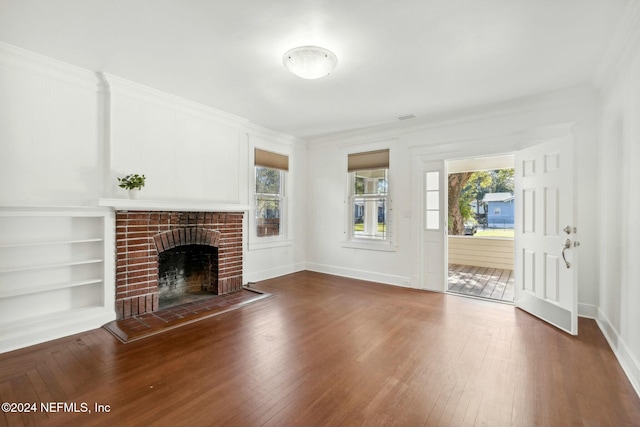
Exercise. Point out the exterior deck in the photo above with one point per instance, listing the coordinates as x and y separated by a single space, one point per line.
484 282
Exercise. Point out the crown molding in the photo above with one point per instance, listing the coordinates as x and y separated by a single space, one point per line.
122 87
494 145
30 62
369 144
622 46
273 135
528 104
119 86
26 61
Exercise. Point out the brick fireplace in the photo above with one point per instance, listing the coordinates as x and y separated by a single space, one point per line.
142 237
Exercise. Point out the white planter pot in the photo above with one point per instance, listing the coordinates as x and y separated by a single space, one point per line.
134 193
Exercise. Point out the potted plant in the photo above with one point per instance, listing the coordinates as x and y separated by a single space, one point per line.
133 183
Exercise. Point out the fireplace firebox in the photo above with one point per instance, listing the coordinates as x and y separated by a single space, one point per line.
187 271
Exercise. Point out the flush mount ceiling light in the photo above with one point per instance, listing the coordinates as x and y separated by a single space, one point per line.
310 62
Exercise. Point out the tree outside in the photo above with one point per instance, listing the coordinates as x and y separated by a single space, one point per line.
457 182
467 187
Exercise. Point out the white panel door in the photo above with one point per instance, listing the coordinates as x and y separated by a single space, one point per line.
434 226
546 258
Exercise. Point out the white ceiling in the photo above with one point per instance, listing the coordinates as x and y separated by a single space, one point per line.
421 57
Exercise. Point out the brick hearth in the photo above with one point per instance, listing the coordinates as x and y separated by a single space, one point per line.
142 235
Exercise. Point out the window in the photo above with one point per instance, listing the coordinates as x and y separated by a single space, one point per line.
270 173
432 200
496 211
369 195
269 195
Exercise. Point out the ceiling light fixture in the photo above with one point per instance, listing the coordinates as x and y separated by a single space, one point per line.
310 62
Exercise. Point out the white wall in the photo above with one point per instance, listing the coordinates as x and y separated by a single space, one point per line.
495 129
186 151
49 135
619 196
327 250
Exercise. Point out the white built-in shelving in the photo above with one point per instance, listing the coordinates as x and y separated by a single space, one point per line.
56 273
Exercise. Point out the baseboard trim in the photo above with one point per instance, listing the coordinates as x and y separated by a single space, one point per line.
53 326
256 276
626 359
589 311
387 279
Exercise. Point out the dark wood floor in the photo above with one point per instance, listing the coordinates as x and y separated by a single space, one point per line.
332 351
481 282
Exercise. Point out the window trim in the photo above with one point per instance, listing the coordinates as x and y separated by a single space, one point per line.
256 242
350 240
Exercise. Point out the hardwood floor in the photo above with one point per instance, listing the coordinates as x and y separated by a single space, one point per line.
482 282
331 351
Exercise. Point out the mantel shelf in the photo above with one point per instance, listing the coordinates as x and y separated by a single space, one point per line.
171 205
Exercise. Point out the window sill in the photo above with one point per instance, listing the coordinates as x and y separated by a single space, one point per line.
369 245
258 245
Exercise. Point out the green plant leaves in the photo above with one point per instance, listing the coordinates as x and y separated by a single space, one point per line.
132 181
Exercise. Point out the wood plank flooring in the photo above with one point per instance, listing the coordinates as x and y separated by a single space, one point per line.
331 351
482 282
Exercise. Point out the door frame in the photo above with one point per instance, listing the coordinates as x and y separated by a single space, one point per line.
423 154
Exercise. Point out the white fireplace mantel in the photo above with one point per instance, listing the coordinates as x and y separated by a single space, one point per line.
171 205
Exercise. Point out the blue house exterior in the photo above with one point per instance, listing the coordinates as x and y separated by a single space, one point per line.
500 210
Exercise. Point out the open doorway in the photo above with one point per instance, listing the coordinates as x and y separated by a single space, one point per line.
481 227
544 244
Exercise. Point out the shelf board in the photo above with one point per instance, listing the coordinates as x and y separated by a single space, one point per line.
45 266
37 210
52 243
7 293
